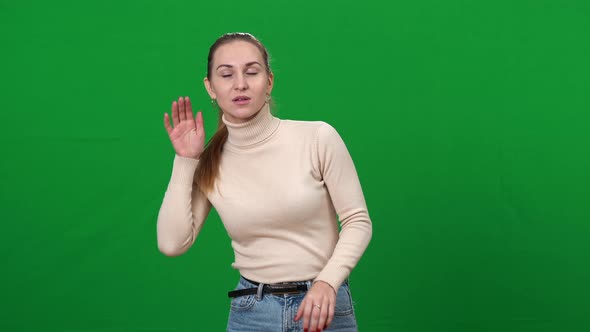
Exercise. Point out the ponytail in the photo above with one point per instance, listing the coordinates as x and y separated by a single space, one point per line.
208 168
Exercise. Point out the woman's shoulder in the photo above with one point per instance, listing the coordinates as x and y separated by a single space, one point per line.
317 130
311 126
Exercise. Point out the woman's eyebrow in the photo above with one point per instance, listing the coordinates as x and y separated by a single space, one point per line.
247 65
253 63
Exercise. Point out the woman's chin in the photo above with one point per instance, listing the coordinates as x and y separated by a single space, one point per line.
242 113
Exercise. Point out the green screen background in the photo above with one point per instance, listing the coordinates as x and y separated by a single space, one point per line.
467 120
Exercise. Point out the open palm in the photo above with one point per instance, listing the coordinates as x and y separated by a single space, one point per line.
188 134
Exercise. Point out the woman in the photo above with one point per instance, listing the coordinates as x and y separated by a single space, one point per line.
278 186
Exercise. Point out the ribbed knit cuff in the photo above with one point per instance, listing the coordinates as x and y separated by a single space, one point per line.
183 171
334 276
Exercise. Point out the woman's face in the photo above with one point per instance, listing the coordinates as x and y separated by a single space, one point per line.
239 81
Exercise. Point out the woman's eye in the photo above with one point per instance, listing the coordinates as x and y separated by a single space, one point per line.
252 73
226 75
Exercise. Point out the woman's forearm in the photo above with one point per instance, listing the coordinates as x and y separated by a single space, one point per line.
183 210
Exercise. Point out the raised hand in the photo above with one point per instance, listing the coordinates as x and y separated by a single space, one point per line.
188 134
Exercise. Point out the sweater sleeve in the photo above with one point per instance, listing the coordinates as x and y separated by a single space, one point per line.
183 210
341 179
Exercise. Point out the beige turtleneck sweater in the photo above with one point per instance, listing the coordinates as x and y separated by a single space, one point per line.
281 186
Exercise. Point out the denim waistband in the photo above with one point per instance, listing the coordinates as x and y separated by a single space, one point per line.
246 283
251 283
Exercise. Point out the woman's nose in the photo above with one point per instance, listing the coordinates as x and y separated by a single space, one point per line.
241 82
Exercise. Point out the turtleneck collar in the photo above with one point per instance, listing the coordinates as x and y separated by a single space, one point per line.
253 131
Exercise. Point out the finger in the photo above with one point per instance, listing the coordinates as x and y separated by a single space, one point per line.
200 126
167 124
330 314
181 109
307 316
189 111
315 317
175 119
323 314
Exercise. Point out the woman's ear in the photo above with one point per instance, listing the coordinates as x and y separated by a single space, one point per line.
271 78
209 88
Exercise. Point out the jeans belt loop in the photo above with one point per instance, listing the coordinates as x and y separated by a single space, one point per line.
259 292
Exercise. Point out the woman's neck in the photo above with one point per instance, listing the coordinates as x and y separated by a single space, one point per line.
253 131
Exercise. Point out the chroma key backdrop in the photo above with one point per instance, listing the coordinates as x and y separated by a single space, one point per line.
468 122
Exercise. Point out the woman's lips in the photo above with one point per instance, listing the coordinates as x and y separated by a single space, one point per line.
242 101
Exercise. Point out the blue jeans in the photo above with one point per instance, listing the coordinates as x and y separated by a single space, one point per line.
276 312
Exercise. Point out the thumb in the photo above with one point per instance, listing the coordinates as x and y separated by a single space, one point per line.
299 312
